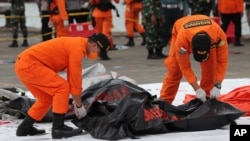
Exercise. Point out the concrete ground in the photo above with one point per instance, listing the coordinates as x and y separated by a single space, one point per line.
131 62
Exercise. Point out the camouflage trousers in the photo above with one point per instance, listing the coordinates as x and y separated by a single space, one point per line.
153 33
16 22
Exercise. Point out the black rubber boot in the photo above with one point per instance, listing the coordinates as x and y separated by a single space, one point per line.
26 128
238 43
104 55
143 35
25 43
159 52
59 130
152 55
14 43
130 42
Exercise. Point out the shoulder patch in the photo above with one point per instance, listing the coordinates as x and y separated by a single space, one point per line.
222 43
182 50
197 23
219 43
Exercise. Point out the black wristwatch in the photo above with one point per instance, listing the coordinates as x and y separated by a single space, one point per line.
218 86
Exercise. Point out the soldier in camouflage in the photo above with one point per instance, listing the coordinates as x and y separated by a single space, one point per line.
18 17
201 6
152 19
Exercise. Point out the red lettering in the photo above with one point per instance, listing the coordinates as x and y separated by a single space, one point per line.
125 91
165 116
116 94
153 113
174 118
101 96
146 115
157 112
108 96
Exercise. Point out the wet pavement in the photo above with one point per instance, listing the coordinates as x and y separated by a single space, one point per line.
131 62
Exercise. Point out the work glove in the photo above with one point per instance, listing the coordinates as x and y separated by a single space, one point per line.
50 24
80 112
201 94
65 23
215 92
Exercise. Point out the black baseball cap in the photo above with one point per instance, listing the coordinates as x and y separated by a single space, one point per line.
101 40
201 43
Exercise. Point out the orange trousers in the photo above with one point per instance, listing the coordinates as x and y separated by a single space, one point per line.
49 88
174 75
61 30
132 23
104 25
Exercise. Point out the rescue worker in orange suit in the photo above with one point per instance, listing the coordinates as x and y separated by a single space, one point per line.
37 67
204 38
59 17
232 10
102 19
132 11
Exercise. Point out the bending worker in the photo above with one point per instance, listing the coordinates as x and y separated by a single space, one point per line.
37 68
204 38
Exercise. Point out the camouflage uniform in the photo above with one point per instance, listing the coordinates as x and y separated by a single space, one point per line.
18 17
201 6
153 32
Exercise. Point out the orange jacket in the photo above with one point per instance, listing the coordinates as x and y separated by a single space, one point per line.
98 13
131 5
182 40
59 54
230 6
62 9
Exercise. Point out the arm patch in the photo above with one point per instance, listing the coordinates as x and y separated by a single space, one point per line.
182 50
197 23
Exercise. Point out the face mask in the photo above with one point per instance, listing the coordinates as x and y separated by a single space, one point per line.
93 55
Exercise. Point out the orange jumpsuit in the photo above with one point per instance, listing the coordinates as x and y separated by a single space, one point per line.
57 19
103 20
132 12
230 6
38 66
178 62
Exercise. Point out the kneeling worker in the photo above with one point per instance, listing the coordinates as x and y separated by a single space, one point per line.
204 38
37 68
